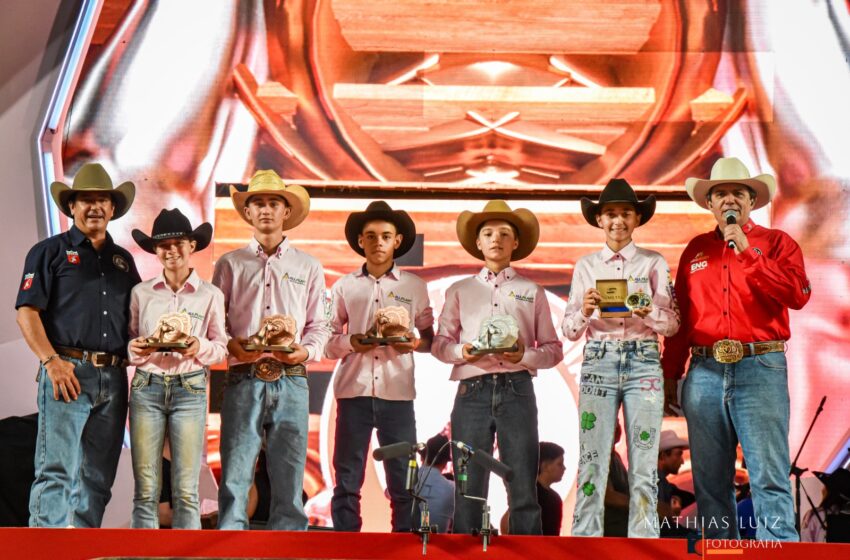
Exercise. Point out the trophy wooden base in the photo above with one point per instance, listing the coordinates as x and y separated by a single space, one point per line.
383 341
482 351
165 346
266 348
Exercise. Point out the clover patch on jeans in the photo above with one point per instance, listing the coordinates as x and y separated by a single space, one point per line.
588 421
642 437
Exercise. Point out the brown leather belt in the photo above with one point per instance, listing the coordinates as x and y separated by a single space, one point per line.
97 359
729 351
268 369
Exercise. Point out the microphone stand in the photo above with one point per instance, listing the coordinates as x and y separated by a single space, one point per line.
797 472
485 532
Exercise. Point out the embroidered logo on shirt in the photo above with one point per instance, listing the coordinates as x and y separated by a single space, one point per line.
294 280
399 298
73 257
192 314
757 251
28 281
639 279
520 297
120 263
697 266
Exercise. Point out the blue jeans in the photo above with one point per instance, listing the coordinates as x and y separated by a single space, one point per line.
501 405
355 420
747 402
177 403
613 372
278 410
77 448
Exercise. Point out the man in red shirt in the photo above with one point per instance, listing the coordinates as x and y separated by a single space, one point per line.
734 287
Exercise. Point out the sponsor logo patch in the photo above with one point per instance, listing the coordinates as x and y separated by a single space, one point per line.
697 266
28 281
294 280
399 298
73 257
520 297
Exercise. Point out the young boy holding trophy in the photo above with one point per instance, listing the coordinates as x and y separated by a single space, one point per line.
176 332
496 329
621 299
375 310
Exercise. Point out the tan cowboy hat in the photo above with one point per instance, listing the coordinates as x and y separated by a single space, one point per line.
522 219
93 177
266 181
731 170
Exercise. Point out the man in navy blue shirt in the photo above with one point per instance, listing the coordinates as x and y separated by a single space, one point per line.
73 306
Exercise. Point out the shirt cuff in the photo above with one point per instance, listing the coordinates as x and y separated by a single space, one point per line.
458 352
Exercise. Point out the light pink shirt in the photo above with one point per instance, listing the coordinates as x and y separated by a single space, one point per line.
290 282
645 271
381 372
205 305
471 300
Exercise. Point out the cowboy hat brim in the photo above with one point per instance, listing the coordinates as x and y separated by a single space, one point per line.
522 219
646 209
296 198
202 235
764 186
401 219
122 196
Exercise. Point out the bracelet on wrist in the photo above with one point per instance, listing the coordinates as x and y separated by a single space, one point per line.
47 360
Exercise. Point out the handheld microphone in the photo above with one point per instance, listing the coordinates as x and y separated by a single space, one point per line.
487 462
731 217
396 450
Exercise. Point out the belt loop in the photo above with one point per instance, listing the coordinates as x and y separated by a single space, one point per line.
752 347
602 348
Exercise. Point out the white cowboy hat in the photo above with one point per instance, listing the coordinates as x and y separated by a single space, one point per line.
731 170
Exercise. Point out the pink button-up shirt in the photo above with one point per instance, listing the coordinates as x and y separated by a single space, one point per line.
471 300
205 305
289 282
381 372
645 271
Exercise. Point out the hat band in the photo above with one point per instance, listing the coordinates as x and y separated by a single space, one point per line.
170 235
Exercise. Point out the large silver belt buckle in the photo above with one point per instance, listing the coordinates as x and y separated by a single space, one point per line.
268 369
728 351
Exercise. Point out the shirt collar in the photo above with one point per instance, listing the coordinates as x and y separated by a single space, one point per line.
193 281
392 273
257 249
77 237
747 228
627 252
486 275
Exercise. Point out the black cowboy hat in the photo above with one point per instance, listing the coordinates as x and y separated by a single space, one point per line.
618 190
837 482
380 210
171 224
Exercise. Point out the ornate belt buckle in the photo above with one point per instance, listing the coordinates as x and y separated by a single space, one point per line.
99 359
728 351
268 369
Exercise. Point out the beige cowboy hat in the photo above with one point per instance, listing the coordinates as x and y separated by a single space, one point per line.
266 181
522 219
731 170
93 177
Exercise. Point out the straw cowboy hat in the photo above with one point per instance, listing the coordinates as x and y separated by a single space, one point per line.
618 190
380 210
172 224
266 181
731 170
522 219
92 177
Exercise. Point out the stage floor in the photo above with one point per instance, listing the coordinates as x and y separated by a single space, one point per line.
72 544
